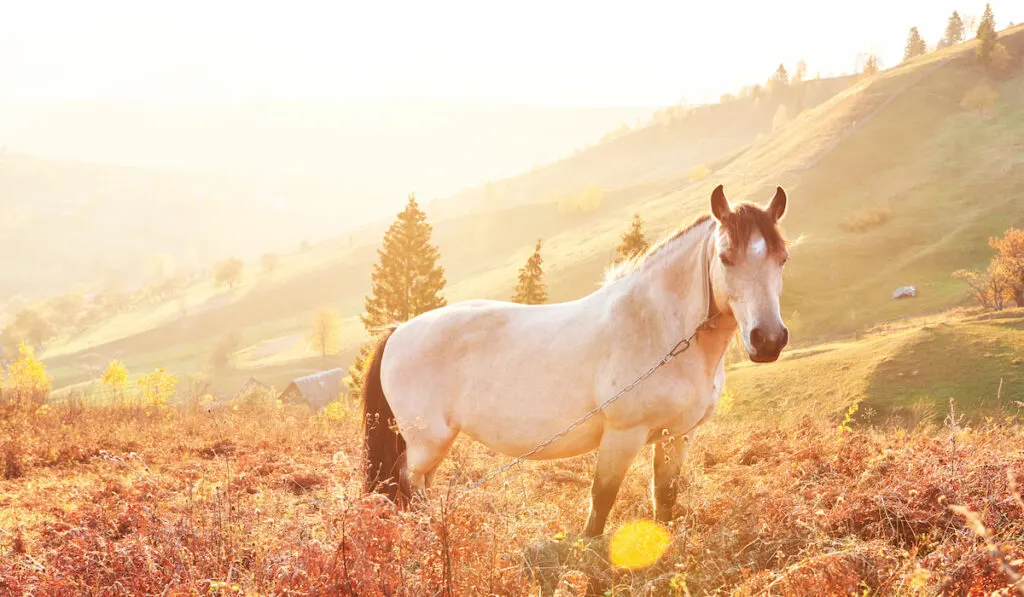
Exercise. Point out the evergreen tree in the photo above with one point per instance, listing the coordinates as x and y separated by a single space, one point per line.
801 72
357 372
531 289
406 282
634 242
780 79
986 35
915 45
954 31
871 66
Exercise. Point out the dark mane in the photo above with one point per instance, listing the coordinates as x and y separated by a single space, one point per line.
746 218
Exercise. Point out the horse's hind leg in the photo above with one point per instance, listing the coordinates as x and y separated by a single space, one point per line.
618 449
669 456
423 454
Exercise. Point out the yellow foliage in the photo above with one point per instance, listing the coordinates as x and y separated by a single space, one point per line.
28 374
116 375
638 544
589 199
980 99
725 403
339 410
157 388
699 173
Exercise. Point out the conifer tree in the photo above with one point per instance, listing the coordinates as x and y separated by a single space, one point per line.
986 35
780 79
915 45
531 289
871 66
406 281
954 31
634 242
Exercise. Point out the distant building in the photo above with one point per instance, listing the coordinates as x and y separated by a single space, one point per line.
904 292
316 390
252 385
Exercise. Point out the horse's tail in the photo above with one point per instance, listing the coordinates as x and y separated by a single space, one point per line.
385 446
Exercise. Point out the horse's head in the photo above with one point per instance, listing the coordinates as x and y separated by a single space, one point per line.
746 271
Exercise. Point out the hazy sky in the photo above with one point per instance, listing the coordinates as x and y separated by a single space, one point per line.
545 52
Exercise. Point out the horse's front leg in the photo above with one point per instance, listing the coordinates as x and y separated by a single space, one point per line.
617 451
668 461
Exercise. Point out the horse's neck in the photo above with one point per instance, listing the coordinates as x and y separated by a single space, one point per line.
666 299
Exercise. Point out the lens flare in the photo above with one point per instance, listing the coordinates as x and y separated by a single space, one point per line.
638 544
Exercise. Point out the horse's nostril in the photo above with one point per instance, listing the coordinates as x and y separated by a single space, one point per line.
757 338
784 338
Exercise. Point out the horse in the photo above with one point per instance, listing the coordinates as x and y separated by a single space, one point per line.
512 376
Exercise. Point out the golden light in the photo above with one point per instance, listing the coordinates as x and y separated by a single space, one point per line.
638 544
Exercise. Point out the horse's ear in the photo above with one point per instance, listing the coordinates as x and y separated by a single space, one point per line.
719 204
778 205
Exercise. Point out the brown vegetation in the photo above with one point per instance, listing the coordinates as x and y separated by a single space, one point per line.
217 501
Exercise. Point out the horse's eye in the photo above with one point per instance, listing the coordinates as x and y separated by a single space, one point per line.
725 259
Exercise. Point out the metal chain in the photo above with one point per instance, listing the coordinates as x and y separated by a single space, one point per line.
680 347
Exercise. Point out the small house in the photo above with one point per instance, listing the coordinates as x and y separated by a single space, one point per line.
316 390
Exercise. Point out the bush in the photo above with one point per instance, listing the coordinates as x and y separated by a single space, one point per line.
590 199
699 173
980 99
867 219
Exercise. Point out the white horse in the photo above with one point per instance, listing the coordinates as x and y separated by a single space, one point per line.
513 376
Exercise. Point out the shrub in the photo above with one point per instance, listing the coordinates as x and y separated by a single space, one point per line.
699 173
867 219
156 389
980 99
588 200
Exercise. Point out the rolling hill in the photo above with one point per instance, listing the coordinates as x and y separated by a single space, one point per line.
200 183
903 373
891 182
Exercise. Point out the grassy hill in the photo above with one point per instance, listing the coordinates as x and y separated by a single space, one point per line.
891 183
903 372
200 183
677 140
67 223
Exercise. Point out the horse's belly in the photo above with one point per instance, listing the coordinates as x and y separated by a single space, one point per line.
517 436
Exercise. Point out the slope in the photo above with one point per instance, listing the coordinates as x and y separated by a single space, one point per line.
897 144
906 372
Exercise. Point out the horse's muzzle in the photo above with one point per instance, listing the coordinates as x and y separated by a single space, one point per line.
767 346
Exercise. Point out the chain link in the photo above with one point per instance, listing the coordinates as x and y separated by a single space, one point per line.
680 347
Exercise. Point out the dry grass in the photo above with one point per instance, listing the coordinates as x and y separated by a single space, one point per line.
197 502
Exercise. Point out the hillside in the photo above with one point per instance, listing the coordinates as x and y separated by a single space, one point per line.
69 223
903 373
896 144
201 183
672 144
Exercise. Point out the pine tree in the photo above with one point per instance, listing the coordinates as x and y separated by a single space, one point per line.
531 289
634 242
954 31
780 79
357 372
801 72
915 45
986 35
406 282
871 66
